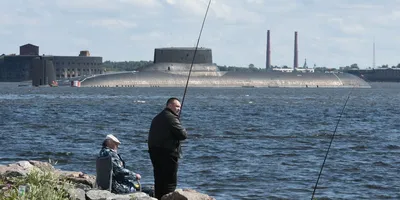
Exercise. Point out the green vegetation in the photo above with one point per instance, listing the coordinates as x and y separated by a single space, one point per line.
125 65
136 65
39 185
251 68
115 66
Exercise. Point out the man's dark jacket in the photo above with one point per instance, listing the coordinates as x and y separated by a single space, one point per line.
122 179
166 132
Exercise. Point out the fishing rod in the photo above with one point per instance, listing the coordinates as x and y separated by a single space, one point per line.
194 56
330 144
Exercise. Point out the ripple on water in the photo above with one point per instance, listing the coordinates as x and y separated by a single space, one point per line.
270 149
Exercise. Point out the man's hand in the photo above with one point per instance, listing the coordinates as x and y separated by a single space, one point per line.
138 177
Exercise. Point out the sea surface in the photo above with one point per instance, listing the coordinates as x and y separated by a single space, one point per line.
244 143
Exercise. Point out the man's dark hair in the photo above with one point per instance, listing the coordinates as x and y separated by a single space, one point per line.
170 100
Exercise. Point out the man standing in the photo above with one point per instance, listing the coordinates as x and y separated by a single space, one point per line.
165 135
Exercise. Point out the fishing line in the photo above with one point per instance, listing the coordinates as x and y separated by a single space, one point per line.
330 144
194 56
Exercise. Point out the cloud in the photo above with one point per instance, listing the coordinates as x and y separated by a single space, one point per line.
347 27
6 19
256 1
5 32
143 3
236 14
170 2
112 23
81 42
193 7
87 5
106 5
331 33
153 35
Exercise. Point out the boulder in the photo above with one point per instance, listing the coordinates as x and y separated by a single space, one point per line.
21 168
141 196
68 173
106 195
78 178
186 194
44 166
76 194
82 186
98 194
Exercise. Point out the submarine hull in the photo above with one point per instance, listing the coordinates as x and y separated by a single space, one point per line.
224 79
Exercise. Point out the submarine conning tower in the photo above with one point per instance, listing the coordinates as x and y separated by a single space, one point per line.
182 55
179 59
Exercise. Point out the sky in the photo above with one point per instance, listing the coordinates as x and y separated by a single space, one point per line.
330 33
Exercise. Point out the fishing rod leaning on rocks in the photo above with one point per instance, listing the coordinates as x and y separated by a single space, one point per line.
194 56
330 144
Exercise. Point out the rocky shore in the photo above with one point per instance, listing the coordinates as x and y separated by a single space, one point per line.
27 178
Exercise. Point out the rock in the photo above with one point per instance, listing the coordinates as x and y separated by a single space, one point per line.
133 196
44 166
85 181
76 194
106 195
141 196
186 194
24 165
120 197
82 186
69 173
21 168
15 173
98 194
78 178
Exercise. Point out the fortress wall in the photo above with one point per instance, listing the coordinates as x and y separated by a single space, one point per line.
74 66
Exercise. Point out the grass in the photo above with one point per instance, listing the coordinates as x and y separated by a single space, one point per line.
39 185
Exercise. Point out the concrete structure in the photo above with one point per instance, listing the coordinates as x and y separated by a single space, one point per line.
268 59
177 60
43 72
296 52
75 66
305 70
29 49
19 67
182 55
84 53
15 68
283 69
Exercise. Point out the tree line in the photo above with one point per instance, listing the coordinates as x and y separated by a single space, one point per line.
136 65
125 65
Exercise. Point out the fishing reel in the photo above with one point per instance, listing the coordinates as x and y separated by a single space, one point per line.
137 185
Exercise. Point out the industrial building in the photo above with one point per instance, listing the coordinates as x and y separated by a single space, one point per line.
15 68
75 66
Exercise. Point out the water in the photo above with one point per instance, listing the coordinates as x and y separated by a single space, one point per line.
244 143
